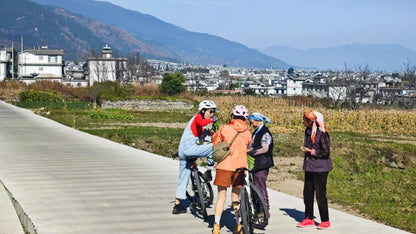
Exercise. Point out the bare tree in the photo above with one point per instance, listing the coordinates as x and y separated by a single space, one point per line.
138 67
409 73
362 89
120 71
348 80
337 91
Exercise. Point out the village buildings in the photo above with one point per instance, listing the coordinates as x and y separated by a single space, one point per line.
5 62
107 67
48 64
41 63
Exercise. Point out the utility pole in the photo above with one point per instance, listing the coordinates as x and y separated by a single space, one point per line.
21 62
12 61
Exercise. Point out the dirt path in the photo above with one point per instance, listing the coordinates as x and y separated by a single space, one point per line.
283 178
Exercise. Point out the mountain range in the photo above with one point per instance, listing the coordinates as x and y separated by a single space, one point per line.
379 57
82 27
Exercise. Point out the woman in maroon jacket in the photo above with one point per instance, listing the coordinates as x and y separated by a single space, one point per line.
316 164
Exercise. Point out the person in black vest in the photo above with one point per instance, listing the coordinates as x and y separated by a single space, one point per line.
261 148
317 163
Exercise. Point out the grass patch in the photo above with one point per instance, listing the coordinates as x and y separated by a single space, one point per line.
68 106
162 141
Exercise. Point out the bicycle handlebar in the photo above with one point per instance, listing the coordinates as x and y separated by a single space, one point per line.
189 159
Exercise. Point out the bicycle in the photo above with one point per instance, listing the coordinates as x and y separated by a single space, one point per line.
253 209
200 192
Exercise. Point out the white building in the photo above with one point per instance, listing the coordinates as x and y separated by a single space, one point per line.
294 86
5 62
41 63
107 68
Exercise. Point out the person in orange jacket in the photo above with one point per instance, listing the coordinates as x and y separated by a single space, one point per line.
225 170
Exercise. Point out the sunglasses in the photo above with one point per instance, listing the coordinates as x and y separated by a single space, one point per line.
211 111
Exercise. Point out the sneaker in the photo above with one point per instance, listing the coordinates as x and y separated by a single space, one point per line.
178 209
324 225
306 223
238 229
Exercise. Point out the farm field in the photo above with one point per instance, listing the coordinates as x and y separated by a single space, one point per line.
373 150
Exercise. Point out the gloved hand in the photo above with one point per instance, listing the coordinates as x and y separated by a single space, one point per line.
214 119
251 152
215 127
207 175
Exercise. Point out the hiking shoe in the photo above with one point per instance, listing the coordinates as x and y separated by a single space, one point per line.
178 209
238 229
306 223
216 229
324 225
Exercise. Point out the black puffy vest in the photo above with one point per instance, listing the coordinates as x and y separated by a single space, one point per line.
263 161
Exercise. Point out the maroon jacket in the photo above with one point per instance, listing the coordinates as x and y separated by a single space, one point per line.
319 159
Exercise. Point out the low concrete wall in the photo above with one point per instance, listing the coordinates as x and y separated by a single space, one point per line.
148 105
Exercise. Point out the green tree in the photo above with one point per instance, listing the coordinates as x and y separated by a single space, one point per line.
290 71
172 83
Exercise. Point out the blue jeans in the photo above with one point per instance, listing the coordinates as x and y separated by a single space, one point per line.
185 167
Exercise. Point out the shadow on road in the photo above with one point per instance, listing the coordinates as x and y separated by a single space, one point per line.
295 214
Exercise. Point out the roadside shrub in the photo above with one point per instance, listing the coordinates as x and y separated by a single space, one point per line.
172 83
46 85
40 96
11 89
108 91
114 91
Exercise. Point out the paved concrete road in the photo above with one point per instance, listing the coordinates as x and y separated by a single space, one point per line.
66 181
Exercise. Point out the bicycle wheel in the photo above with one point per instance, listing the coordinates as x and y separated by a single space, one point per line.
200 200
190 191
260 213
245 211
206 190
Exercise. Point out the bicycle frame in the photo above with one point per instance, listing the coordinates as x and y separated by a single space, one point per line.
203 194
252 204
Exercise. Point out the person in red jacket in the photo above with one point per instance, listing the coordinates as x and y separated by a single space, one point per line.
225 170
189 147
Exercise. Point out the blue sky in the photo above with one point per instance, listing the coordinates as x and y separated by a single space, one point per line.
294 23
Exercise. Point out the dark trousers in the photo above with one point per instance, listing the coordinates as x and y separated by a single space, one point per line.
260 178
315 182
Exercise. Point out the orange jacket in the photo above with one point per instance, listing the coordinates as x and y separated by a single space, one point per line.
238 156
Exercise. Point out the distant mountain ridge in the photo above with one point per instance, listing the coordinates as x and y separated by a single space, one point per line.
58 29
382 57
192 47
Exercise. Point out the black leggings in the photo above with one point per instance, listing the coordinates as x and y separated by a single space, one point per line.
315 182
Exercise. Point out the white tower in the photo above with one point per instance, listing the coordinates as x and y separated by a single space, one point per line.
107 52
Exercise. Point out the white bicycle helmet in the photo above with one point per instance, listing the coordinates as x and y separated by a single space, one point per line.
241 111
206 104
